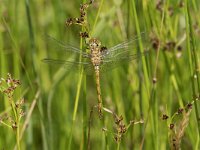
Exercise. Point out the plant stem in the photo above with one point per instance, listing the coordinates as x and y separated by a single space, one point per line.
17 119
97 16
193 63
118 145
5 124
77 97
17 136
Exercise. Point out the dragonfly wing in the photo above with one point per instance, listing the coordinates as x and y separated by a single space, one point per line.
118 61
70 65
53 43
125 48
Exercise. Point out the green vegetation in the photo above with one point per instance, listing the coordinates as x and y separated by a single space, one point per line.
150 103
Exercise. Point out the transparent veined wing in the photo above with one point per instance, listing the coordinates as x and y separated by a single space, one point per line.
64 48
71 65
125 48
118 61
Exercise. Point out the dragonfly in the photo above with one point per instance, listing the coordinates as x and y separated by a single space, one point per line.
98 58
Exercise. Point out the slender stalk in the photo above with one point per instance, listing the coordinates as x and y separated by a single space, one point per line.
32 106
35 74
17 119
89 128
128 19
77 97
118 146
18 134
75 107
192 55
144 67
84 114
13 109
7 125
97 16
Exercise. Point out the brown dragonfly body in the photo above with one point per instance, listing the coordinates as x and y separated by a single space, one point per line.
96 57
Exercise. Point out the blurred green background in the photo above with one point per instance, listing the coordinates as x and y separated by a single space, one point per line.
161 82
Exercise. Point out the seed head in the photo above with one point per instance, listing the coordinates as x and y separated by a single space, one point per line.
165 117
171 126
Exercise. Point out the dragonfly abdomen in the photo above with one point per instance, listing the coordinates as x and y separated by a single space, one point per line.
98 91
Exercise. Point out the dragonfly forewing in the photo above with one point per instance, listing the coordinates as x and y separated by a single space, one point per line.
128 47
114 62
64 48
71 65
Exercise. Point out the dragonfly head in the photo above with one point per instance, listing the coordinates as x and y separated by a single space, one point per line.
94 43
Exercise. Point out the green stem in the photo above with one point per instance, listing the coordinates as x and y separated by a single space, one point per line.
97 16
17 136
16 121
146 78
77 97
193 63
118 145
6 124
13 109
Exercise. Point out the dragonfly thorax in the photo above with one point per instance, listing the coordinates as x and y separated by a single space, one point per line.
95 49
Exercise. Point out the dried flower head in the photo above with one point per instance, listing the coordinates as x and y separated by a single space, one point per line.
69 21
177 130
159 5
181 4
118 120
82 19
155 43
120 127
171 126
154 80
171 11
84 34
9 85
165 117
189 106
179 48
180 111
14 125
169 46
19 103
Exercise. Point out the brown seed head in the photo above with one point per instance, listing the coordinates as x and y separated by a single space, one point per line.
84 34
189 106
155 43
165 117
180 110
181 4
69 21
171 126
